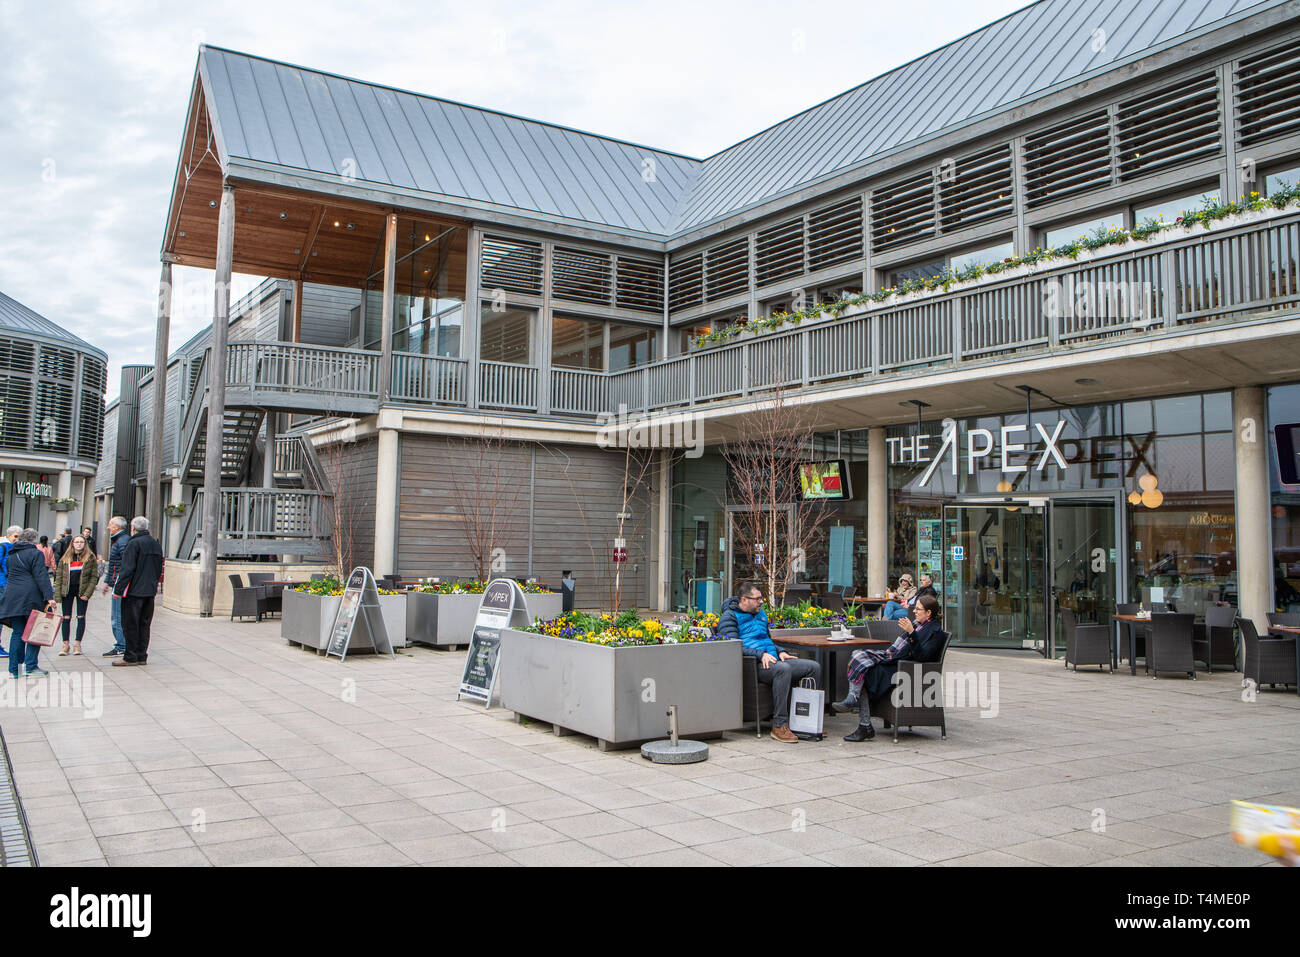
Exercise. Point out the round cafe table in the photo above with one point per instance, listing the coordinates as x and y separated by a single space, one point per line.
825 651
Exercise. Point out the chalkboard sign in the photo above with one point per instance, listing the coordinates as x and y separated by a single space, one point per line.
359 604
503 605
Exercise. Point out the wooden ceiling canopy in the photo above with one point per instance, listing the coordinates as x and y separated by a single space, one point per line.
287 233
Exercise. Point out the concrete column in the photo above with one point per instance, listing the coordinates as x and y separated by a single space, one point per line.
154 464
386 479
268 462
87 504
878 537
386 315
174 521
216 400
64 487
1254 556
664 533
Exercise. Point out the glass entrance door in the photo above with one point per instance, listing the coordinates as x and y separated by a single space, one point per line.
1085 558
995 579
755 539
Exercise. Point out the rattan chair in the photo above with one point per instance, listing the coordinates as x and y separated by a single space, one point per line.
1171 643
1290 619
830 600
1212 642
913 714
757 695
271 600
1270 661
247 602
1138 632
1085 644
794 594
883 628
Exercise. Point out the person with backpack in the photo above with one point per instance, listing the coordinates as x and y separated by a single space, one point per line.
27 589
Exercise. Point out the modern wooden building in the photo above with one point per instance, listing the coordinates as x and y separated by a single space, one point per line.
446 279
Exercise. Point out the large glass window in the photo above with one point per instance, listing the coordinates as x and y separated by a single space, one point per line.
1063 235
507 334
630 346
1167 211
578 344
955 261
1278 178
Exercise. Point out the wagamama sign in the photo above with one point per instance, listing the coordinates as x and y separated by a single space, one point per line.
975 445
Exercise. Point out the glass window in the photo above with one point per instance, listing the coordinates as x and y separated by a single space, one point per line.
927 270
1218 412
1283 177
630 346
833 292
1180 415
689 334
507 334
1167 211
982 257
1063 235
578 344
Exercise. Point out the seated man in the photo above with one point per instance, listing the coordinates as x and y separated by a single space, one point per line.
871 673
743 618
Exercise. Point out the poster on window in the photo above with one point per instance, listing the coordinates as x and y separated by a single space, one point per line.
929 547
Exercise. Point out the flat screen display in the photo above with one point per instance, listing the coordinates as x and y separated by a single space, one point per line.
824 481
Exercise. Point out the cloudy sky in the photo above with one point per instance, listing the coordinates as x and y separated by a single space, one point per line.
93 98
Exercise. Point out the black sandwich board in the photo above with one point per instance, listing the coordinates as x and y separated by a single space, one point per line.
359 605
503 606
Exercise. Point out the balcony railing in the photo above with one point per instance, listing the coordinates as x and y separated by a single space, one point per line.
254 521
1139 290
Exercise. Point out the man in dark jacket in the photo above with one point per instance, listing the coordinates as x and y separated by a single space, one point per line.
135 588
62 544
119 537
743 618
28 589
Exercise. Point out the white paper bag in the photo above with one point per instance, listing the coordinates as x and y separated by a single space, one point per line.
807 705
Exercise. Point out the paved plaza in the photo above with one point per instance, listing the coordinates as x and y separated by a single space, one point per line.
233 747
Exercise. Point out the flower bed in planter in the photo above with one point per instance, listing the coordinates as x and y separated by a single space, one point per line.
307 615
613 677
442 614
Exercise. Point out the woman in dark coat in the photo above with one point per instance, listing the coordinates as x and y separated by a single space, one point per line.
28 590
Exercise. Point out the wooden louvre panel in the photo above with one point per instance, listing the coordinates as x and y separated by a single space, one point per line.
1067 159
726 269
1169 128
685 281
639 284
15 411
511 264
53 422
582 276
779 252
16 355
835 234
90 419
57 363
1268 95
975 189
903 212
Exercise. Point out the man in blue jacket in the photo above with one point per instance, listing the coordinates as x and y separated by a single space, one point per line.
743 618
119 536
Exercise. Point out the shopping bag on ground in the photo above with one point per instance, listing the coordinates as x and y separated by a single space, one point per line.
42 628
807 702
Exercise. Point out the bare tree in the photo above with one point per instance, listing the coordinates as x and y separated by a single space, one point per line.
345 501
488 492
774 520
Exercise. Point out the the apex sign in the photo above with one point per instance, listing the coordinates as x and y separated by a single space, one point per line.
975 445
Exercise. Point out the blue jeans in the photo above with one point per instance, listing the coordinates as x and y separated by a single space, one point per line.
16 646
115 621
894 611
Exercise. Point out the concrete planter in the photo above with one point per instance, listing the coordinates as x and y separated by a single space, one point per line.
306 619
600 691
441 621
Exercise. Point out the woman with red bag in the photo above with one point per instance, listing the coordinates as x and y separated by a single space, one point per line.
28 590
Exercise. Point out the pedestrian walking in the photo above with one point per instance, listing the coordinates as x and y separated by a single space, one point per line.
62 544
74 584
48 552
119 536
136 587
11 536
27 590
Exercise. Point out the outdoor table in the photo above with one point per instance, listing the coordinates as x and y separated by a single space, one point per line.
825 650
1132 641
1294 634
865 600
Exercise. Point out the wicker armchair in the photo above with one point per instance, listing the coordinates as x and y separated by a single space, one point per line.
1290 619
271 600
247 602
757 696
1085 644
885 628
1269 661
1138 632
1212 642
1171 643
914 715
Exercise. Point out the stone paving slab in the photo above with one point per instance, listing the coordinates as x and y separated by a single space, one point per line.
234 748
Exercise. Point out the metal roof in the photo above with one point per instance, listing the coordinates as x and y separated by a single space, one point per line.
288 116
15 317
303 119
